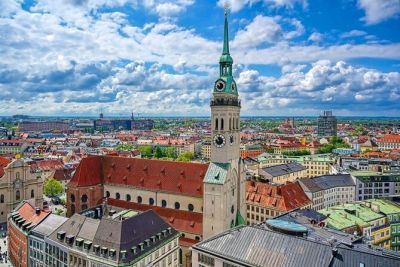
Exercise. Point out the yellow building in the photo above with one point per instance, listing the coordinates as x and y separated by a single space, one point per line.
381 236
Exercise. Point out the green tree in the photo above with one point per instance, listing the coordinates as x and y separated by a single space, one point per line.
185 156
146 151
170 152
158 152
53 187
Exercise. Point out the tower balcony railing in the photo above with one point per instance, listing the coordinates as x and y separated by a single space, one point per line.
225 102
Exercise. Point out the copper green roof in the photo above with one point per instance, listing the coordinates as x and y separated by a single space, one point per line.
216 173
385 206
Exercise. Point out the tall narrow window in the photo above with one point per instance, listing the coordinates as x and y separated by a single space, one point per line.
230 124
222 124
233 123
237 124
2 198
17 195
216 124
32 193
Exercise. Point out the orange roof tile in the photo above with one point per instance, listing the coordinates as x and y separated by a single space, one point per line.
390 138
281 197
28 212
3 163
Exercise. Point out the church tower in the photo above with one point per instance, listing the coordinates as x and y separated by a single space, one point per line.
224 183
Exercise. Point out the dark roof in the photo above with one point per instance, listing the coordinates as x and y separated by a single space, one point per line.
310 185
283 169
126 234
49 224
331 181
259 246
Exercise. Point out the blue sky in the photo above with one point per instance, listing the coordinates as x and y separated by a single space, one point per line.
159 57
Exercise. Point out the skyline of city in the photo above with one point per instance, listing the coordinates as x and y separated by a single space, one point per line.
79 57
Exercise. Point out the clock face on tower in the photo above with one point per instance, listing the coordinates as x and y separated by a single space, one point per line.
219 140
220 85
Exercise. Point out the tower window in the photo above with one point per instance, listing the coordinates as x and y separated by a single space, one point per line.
117 195
216 124
32 193
237 124
139 199
2 198
84 198
222 124
230 124
17 195
151 201
177 205
72 198
128 197
107 194
190 207
163 203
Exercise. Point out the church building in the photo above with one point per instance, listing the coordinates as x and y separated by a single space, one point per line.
199 200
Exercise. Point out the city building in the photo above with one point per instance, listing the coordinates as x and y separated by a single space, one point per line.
110 236
250 150
370 184
389 141
12 146
335 189
282 243
265 201
206 150
19 224
36 238
17 183
283 173
206 198
366 164
327 124
318 164
43 126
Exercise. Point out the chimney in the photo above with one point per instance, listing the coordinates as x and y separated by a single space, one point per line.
37 211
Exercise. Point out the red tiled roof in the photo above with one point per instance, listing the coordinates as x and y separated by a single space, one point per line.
184 221
281 197
29 213
157 175
46 165
390 138
3 163
187 242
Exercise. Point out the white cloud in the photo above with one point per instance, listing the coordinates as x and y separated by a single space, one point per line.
236 5
377 11
315 37
353 33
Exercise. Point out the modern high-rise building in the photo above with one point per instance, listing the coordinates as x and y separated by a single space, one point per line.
327 124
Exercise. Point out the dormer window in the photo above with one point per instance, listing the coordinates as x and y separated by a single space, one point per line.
61 235
87 245
112 253
134 250
123 254
79 242
104 250
96 248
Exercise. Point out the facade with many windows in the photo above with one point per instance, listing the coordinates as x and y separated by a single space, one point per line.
370 185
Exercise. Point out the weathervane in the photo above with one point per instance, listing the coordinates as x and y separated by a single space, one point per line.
226 8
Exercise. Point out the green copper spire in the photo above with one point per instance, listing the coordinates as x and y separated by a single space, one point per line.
225 51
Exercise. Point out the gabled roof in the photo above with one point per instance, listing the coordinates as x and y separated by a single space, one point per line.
281 197
158 175
216 173
335 180
29 214
283 169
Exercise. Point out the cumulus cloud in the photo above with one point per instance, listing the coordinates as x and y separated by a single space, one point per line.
377 11
315 37
353 33
236 5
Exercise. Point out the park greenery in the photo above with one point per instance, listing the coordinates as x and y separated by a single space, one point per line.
302 152
53 187
335 142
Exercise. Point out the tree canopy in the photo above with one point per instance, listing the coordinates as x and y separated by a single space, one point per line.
53 187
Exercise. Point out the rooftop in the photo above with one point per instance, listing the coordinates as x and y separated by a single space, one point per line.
282 169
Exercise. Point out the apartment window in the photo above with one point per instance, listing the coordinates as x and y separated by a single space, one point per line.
206 259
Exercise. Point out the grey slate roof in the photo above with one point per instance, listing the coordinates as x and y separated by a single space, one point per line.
310 185
331 181
48 225
283 169
258 246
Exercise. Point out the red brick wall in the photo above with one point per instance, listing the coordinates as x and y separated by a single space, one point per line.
17 246
94 196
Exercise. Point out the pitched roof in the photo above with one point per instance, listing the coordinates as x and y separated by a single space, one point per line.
3 163
283 169
260 246
28 213
216 173
282 197
310 185
184 221
390 138
335 180
158 175
46 165
49 224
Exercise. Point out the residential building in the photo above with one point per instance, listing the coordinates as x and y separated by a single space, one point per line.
265 201
371 184
43 126
19 224
366 164
109 236
336 189
283 173
287 244
12 146
206 150
36 239
389 141
318 164
327 124
17 183
250 150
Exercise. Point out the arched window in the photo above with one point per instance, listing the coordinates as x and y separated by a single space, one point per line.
190 207
72 209
84 207
237 124
197 238
128 197
32 193
232 209
163 203
151 201
222 124
17 175
230 123
72 197
2 198
107 194
216 124
117 195
139 199
84 198
17 195
233 124
177 205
